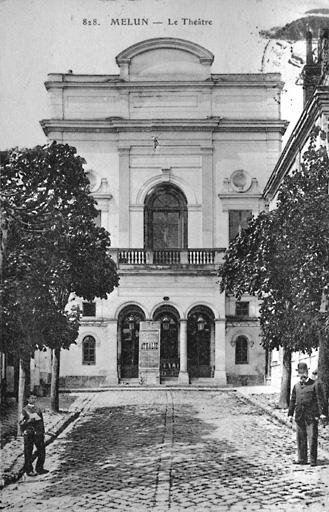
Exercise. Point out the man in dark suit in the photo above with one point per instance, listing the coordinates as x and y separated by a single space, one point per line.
308 407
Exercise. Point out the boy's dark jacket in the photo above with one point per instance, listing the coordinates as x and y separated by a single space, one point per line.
305 402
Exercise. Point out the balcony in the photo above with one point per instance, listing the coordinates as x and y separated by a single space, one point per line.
168 258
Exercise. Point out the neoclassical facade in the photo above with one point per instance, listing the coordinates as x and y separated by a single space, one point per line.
177 159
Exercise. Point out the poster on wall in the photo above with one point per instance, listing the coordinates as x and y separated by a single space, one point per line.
186 114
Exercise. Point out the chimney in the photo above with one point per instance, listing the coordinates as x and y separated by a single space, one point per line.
324 50
309 49
311 73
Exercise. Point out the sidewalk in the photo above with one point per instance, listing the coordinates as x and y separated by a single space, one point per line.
12 458
267 399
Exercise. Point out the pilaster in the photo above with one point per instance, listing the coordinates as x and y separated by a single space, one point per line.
207 195
220 352
112 353
124 193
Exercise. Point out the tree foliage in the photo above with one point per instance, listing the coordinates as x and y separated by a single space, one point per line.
53 250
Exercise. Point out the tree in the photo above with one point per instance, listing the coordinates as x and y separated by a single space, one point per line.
282 258
58 251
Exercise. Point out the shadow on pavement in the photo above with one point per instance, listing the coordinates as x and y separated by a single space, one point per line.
121 447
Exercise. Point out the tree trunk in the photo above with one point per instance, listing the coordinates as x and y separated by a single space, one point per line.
23 387
54 387
285 380
323 364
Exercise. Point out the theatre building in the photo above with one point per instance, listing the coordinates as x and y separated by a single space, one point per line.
177 159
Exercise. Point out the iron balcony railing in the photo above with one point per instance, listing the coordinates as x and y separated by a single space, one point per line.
167 256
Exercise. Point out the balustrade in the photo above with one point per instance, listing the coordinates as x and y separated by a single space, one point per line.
201 256
132 257
167 257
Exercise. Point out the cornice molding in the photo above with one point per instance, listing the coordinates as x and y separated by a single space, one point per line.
317 105
114 125
63 80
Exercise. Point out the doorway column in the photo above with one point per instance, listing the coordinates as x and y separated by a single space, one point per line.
220 352
183 377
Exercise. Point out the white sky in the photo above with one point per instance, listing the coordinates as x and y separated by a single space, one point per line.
45 36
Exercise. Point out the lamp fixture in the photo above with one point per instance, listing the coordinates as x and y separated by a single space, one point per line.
201 323
165 323
131 322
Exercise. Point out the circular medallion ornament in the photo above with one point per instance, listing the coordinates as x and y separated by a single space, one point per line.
240 180
94 180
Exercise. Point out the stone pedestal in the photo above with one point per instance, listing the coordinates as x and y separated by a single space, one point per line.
149 353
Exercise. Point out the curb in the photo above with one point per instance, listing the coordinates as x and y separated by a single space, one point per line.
274 415
15 471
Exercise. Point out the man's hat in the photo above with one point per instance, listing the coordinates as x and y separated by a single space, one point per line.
302 367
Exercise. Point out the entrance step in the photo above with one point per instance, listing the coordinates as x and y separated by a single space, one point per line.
162 387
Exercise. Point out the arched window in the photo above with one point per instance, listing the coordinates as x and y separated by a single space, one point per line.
165 219
241 350
89 350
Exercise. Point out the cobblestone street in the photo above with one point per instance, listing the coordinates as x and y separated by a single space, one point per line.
173 450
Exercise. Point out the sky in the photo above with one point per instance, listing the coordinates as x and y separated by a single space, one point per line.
47 36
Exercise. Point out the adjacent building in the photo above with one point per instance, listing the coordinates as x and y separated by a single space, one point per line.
315 77
177 158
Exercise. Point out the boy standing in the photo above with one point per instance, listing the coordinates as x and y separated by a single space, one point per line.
308 407
31 423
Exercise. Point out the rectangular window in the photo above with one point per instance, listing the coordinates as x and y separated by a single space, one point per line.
88 309
242 309
238 220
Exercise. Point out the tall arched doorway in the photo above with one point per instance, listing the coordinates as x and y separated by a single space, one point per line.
128 341
165 218
200 342
169 345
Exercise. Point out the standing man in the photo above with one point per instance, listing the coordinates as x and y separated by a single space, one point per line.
31 423
308 407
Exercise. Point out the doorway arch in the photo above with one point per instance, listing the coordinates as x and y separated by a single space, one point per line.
169 344
200 342
165 218
128 340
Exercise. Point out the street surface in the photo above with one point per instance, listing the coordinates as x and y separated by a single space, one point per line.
173 450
